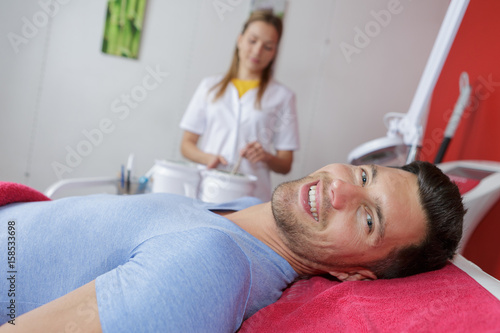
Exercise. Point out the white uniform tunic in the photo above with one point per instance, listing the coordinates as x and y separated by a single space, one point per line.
227 125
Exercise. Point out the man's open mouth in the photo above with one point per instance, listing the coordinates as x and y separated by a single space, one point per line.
312 202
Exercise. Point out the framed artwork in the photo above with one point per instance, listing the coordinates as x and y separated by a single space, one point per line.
123 27
276 6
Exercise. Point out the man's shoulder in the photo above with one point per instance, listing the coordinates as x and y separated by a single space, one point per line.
207 241
215 237
185 275
221 243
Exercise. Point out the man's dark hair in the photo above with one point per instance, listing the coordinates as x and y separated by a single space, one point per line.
444 210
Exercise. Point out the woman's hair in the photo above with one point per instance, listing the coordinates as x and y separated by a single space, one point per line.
262 16
444 210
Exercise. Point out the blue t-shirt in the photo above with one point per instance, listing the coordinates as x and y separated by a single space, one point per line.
162 263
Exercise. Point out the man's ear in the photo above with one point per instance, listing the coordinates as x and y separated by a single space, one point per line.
355 275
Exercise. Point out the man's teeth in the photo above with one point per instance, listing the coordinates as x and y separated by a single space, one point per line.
312 202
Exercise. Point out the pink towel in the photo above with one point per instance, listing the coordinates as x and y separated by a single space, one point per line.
447 300
14 192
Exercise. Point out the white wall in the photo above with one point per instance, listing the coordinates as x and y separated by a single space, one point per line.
59 84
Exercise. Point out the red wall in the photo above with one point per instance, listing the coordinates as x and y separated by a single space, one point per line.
476 50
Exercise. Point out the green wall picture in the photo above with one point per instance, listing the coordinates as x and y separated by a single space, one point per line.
123 29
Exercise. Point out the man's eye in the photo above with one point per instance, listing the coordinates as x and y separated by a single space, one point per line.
364 178
369 221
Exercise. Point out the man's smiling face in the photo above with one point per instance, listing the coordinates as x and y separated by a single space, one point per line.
345 215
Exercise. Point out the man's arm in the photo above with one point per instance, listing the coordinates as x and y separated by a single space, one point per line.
73 312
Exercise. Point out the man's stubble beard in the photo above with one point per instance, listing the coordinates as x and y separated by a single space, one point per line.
294 232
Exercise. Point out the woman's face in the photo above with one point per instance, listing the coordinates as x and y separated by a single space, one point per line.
256 49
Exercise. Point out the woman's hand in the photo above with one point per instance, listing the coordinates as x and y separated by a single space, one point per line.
190 150
254 152
280 163
215 160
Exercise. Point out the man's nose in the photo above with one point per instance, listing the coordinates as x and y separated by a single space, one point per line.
344 194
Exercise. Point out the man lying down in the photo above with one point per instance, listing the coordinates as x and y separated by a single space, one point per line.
164 263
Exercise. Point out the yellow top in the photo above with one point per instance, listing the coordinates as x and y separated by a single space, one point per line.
245 85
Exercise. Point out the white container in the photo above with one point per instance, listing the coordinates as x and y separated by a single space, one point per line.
221 186
176 177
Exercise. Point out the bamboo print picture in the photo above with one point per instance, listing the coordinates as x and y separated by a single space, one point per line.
277 7
122 32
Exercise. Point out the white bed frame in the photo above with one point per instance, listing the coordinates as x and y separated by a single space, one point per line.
487 281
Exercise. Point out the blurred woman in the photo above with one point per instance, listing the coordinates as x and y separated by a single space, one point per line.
245 112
